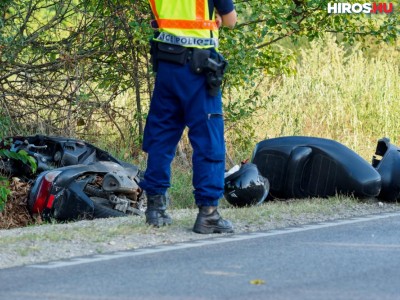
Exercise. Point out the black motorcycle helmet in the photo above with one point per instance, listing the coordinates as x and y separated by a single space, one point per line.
246 186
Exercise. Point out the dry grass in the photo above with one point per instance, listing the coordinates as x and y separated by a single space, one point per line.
347 95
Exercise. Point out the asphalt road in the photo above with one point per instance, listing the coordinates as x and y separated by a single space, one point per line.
351 259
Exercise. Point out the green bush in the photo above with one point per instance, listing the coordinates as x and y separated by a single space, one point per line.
4 181
4 192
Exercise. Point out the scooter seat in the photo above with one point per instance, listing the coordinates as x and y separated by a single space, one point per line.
301 167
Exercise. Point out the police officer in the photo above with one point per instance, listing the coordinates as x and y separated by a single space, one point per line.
186 93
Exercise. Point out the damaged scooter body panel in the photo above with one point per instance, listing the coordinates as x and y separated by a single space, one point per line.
70 202
387 162
301 167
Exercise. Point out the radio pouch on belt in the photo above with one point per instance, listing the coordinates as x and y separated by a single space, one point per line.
172 53
167 52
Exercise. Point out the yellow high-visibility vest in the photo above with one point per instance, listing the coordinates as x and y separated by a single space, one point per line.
185 22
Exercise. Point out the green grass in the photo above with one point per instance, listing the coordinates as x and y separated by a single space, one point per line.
181 190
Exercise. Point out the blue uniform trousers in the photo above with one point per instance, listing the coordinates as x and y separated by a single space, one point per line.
180 99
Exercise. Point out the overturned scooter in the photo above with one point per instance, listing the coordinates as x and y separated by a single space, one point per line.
98 190
74 179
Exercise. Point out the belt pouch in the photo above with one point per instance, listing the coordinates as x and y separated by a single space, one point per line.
172 53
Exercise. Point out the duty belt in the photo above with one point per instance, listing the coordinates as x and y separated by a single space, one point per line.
186 41
201 61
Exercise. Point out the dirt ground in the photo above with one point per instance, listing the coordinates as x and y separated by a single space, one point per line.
15 213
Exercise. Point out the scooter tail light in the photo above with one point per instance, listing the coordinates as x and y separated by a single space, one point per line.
44 197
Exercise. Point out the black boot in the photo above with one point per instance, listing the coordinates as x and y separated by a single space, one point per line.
155 212
209 221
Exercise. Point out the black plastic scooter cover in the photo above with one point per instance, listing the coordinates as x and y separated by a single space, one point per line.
387 162
301 167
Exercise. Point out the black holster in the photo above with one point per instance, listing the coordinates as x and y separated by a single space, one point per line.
210 63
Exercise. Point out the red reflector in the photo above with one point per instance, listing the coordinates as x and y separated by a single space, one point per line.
43 194
50 201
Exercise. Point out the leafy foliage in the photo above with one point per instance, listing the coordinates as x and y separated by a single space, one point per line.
22 156
64 63
4 192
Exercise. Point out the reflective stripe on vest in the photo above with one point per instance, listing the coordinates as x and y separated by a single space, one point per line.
187 24
186 18
187 41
